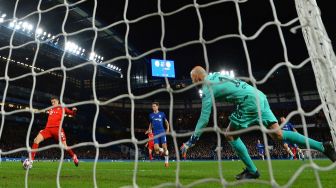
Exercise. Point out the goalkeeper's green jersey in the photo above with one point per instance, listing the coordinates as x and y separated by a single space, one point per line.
227 89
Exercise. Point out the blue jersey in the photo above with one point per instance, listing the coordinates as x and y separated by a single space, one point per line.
157 120
260 148
288 127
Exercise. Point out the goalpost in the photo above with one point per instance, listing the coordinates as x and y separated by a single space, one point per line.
322 57
318 44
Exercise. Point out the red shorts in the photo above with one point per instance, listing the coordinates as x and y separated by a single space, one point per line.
151 146
53 132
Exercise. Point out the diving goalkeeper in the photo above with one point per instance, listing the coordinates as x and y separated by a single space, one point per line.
226 88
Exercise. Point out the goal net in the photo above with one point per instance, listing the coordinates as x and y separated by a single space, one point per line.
98 60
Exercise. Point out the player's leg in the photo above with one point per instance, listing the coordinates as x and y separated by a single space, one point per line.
298 152
157 149
294 152
239 147
292 137
297 138
41 136
165 150
150 151
71 153
289 151
301 155
156 145
63 140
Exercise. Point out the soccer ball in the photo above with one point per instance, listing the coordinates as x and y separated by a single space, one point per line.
27 164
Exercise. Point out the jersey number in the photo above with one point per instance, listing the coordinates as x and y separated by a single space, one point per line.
237 82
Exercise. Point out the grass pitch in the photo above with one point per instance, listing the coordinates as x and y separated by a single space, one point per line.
151 174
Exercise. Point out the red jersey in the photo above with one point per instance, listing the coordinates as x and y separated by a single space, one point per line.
55 116
151 138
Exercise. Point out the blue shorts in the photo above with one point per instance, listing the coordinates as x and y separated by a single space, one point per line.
161 139
261 152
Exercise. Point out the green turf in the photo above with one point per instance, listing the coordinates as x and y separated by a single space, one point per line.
117 174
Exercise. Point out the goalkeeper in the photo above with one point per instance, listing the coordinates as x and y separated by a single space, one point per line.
225 88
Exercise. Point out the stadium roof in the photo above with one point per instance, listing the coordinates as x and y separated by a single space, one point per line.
145 35
109 44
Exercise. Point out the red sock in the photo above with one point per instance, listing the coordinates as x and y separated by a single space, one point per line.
71 152
35 146
150 157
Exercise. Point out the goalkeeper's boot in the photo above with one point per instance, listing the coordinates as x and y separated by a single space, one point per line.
166 165
329 151
247 175
75 160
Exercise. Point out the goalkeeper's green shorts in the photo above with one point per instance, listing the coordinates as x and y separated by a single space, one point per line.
246 113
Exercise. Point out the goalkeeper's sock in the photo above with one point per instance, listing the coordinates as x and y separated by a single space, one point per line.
241 150
299 139
35 146
71 153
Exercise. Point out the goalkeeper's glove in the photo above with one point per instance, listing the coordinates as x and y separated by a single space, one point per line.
190 143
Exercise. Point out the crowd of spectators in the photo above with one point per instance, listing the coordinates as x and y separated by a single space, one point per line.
14 136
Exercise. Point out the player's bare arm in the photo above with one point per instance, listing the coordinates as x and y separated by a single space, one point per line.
149 127
167 126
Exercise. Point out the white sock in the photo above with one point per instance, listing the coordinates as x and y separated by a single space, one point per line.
166 156
301 154
290 151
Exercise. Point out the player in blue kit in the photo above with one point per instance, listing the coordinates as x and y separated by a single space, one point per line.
261 150
156 120
290 127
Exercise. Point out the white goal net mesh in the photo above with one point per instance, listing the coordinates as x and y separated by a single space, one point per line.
321 56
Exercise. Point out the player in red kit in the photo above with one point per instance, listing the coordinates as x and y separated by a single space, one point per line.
150 143
52 128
